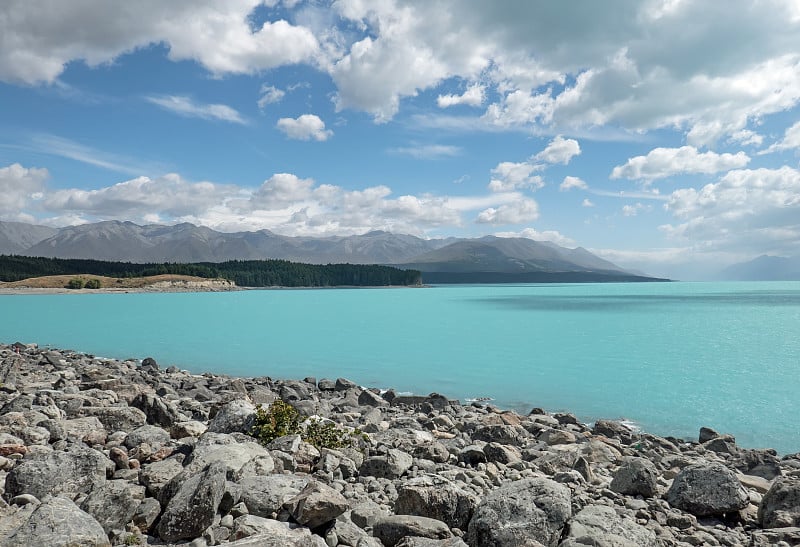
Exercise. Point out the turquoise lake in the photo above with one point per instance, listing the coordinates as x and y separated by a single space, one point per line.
669 356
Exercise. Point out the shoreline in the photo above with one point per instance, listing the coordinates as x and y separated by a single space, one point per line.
144 455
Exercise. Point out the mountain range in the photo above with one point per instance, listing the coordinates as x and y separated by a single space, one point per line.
486 259
764 268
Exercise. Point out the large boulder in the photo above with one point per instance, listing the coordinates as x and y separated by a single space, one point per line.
264 496
390 530
299 537
436 497
601 525
636 476
58 522
238 416
706 489
113 504
316 504
191 510
391 465
77 471
533 508
150 434
116 418
780 506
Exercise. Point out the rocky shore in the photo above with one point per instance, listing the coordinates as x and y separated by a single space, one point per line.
99 452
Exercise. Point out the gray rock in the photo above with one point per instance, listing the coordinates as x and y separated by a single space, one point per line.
150 434
156 410
113 505
504 434
191 510
367 513
368 398
391 465
438 498
146 514
155 476
78 471
58 522
707 489
116 418
300 537
526 509
613 430
233 454
189 428
410 541
343 384
636 476
500 453
706 434
236 416
316 504
251 525
780 506
264 496
390 530
601 526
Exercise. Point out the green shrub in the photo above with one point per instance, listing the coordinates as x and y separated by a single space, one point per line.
283 419
93 284
76 283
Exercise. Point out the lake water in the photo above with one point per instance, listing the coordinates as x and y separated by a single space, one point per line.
669 356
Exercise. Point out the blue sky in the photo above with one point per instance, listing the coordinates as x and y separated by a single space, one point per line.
663 135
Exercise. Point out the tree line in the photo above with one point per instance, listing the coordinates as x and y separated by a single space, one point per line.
245 273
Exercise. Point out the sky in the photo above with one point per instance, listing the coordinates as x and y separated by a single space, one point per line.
663 135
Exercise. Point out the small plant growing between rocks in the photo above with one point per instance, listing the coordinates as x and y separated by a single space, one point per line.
282 419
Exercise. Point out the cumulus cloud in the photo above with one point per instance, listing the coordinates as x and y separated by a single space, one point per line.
38 38
755 209
633 210
666 162
509 176
587 203
559 150
552 236
572 182
284 202
304 128
19 186
185 106
518 212
473 96
791 140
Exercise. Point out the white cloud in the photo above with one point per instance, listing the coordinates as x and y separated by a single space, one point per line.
572 182
38 37
19 186
509 176
552 236
791 140
666 162
473 96
756 209
66 148
270 95
304 128
185 106
284 202
587 203
427 151
518 212
559 150
633 210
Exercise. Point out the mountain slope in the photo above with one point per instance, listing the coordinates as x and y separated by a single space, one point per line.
764 268
16 237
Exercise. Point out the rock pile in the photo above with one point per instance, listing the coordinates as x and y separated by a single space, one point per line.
104 452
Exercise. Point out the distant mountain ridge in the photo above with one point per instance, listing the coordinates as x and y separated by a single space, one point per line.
453 258
764 268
